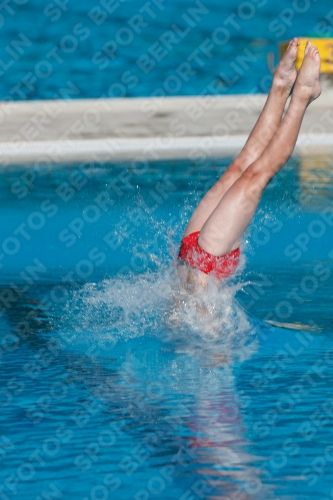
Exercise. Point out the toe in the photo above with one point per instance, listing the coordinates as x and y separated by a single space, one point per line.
292 43
314 53
307 47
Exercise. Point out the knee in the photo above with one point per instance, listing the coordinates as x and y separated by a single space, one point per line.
233 172
251 175
237 168
255 179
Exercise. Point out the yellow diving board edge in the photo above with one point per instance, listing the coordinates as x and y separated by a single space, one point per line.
325 47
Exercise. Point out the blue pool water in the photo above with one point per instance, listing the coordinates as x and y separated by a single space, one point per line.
106 392
81 49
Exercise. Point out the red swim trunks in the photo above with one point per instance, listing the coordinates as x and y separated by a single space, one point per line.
222 266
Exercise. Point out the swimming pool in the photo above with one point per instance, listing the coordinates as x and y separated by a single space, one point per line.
97 49
103 397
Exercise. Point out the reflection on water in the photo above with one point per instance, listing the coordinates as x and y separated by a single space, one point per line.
152 305
188 387
316 179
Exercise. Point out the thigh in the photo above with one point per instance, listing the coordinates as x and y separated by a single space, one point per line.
212 198
224 228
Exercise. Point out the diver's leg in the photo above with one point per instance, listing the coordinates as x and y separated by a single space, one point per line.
259 138
223 230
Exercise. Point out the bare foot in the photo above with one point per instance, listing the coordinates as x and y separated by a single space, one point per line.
285 74
307 85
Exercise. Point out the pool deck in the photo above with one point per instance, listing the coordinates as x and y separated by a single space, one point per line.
101 130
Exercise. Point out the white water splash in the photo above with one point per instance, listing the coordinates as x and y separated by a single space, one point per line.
154 304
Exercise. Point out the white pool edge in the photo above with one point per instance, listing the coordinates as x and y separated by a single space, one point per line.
137 149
